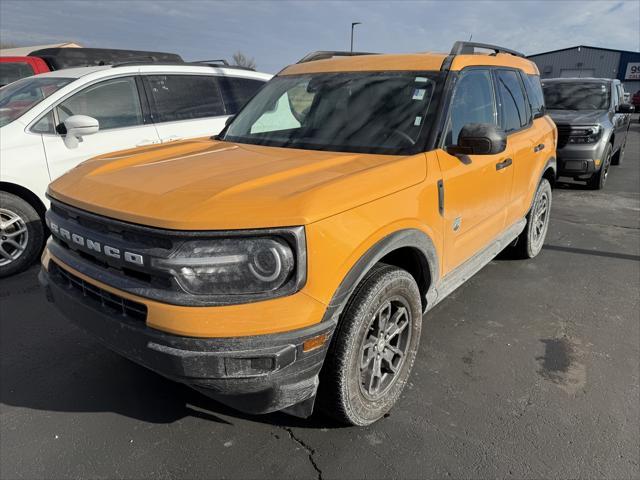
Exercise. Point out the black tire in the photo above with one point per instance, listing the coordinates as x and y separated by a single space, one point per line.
23 217
530 241
598 179
348 391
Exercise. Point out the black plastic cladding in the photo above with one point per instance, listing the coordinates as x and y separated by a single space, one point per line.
145 281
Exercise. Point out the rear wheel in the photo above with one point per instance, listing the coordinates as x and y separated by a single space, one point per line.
21 234
599 178
531 240
374 348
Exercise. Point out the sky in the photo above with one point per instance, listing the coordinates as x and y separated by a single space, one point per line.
277 33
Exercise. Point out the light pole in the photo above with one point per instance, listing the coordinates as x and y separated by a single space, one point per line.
353 24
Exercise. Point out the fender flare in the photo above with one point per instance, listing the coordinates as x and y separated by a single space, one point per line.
412 238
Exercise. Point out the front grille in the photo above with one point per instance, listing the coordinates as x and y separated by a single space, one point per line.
113 304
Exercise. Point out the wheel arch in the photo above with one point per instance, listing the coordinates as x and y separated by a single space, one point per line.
26 195
410 249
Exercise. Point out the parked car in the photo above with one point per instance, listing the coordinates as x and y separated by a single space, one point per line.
635 100
48 59
15 68
51 122
592 121
300 250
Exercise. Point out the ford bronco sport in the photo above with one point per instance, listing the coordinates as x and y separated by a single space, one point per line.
289 261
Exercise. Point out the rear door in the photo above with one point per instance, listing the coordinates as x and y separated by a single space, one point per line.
116 104
476 187
185 105
514 114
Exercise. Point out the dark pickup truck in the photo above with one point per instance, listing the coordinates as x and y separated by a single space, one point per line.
592 121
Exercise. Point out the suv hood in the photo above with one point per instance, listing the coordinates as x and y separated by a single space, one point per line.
577 117
210 185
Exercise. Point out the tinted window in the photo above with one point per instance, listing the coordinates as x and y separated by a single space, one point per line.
534 93
472 102
512 106
237 91
373 112
576 95
184 97
114 103
10 72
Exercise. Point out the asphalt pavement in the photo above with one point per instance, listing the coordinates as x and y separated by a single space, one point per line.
529 370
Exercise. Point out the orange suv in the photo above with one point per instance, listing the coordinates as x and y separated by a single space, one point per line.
289 261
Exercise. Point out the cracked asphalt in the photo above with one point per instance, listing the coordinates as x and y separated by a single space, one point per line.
529 370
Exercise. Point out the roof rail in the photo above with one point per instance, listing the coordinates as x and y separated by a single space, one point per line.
468 48
324 54
218 60
204 63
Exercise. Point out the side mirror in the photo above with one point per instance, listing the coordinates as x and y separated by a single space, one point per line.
480 139
625 108
78 126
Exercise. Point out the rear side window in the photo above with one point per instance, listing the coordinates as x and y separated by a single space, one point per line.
237 91
114 103
534 93
512 105
472 102
184 97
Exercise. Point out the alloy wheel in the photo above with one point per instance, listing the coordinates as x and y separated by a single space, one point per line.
14 236
540 217
384 348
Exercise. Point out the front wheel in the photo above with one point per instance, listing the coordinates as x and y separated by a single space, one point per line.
21 234
530 241
599 178
374 348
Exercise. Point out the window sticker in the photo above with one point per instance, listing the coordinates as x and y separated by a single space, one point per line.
418 121
421 79
418 94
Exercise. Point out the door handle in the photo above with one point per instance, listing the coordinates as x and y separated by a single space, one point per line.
503 164
538 147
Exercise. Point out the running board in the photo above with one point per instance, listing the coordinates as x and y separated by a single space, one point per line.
472 266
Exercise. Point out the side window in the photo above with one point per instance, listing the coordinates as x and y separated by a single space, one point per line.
237 91
534 93
114 103
45 124
184 97
512 106
472 102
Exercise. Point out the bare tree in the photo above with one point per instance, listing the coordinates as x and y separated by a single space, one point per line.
241 60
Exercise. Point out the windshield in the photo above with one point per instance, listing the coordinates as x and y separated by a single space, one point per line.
576 95
355 112
18 97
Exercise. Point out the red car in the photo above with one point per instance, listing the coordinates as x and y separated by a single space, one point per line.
15 68
635 100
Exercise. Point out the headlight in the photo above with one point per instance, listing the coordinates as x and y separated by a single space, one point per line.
262 266
589 134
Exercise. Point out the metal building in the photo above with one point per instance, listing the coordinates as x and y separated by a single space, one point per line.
584 61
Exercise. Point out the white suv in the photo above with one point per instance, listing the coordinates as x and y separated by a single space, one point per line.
51 122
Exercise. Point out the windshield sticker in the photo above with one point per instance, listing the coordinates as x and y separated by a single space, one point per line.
421 79
418 121
419 93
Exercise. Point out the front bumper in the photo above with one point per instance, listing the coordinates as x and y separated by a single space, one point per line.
580 159
258 374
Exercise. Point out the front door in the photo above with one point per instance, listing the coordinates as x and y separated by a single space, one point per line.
476 187
116 105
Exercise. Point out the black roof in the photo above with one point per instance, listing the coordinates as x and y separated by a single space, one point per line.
582 46
59 58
